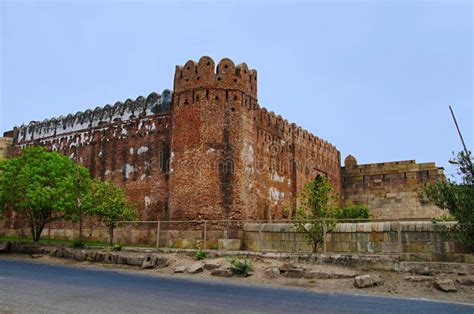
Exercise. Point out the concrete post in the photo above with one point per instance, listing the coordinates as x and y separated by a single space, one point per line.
158 229
205 234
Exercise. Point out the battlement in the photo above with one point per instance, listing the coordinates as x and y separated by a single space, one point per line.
204 75
121 111
351 167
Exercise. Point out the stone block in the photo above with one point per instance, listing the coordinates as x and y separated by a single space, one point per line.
4 246
366 281
222 272
445 285
194 268
230 244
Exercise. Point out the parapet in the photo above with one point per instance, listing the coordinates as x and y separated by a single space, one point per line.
130 109
204 75
353 169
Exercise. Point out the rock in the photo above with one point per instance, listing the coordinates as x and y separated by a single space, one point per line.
229 244
366 281
272 272
148 261
221 272
91 256
135 261
211 266
53 252
295 273
466 281
286 267
445 285
151 261
4 246
36 255
100 256
423 271
80 256
419 278
180 269
194 268
160 262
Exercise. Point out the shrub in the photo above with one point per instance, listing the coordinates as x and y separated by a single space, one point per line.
78 244
200 255
242 267
353 212
442 218
117 247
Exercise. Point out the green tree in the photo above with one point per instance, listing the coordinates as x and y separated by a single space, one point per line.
41 186
458 199
107 201
316 212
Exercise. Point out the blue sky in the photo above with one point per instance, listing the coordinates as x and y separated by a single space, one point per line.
375 78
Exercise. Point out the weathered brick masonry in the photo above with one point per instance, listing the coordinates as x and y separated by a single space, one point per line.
208 150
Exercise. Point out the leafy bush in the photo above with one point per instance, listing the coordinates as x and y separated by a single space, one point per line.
78 244
442 218
117 247
352 212
242 267
200 255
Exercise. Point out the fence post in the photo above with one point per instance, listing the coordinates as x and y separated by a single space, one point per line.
158 229
324 236
205 234
399 236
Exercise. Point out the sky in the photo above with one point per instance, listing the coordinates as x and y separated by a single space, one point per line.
374 78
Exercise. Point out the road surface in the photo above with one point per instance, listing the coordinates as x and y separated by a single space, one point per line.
28 287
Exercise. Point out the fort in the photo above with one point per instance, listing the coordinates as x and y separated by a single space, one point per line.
208 150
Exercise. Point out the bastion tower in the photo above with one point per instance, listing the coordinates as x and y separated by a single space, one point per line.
231 159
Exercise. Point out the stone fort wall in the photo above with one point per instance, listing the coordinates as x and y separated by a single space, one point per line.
208 150
390 189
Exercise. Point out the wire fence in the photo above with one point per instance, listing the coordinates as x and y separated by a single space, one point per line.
343 235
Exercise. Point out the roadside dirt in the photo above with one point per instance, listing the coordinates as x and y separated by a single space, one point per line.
395 284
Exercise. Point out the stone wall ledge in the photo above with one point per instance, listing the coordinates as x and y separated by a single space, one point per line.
386 226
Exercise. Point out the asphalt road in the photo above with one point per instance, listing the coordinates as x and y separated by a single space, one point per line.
27 287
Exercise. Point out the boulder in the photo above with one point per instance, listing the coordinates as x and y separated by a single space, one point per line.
91 256
466 281
272 272
366 281
445 285
222 272
4 246
424 271
122 259
100 256
286 267
211 266
148 261
180 269
151 261
53 252
36 255
295 273
419 278
80 256
194 268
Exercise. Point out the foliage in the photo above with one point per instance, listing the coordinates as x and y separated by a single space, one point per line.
352 212
200 255
117 247
41 186
107 201
78 244
442 218
242 267
317 211
458 199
